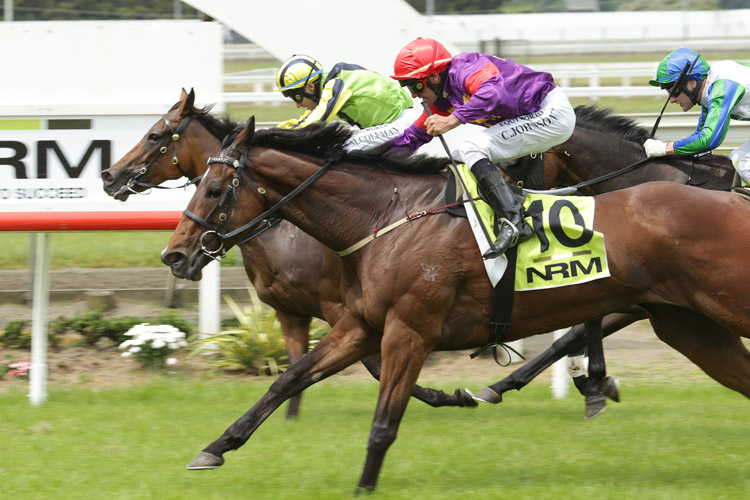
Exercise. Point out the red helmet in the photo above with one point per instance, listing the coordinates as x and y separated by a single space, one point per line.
420 59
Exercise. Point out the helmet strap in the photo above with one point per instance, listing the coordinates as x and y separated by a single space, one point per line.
437 87
692 94
315 96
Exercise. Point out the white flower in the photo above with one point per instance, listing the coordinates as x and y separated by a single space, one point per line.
158 344
126 354
171 361
135 349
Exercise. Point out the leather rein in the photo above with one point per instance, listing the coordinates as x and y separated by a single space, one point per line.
264 219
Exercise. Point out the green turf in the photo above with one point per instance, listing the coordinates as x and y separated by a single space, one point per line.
97 249
684 442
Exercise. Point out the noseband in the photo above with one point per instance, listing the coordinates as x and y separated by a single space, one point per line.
265 220
133 181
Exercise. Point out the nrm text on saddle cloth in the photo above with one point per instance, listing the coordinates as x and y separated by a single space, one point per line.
566 250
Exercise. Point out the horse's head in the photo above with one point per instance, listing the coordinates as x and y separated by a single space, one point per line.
224 200
148 162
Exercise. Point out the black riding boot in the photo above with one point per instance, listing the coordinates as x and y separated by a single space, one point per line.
498 194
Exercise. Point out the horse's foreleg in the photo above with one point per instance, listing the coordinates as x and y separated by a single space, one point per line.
296 330
713 348
596 402
344 345
432 397
404 351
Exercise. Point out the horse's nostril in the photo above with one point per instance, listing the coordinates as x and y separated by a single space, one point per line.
173 258
107 177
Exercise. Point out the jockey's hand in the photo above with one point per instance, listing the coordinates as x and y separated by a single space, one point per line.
437 124
655 148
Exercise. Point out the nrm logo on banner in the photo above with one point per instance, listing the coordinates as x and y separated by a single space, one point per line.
19 152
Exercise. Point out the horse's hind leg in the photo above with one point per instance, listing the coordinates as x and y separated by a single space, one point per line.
713 348
596 401
432 397
296 330
344 345
572 342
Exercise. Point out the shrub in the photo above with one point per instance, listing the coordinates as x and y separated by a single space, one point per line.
151 345
16 336
256 345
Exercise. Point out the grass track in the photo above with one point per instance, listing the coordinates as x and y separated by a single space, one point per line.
687 442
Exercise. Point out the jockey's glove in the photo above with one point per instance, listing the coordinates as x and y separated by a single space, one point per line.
655 148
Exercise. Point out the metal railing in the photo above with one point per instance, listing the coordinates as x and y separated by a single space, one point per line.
577 80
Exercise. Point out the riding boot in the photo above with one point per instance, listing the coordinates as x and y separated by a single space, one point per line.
498 194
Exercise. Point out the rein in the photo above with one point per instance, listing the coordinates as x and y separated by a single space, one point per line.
263 219
572 189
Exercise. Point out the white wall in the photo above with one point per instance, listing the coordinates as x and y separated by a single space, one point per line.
647 27
365 32
84 68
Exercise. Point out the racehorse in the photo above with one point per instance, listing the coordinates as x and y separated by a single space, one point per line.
290 270
422 286
605 153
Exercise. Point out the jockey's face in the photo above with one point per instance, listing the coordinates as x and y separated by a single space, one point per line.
428 95
682 98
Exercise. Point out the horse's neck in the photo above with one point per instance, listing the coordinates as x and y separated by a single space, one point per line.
206 145
348 201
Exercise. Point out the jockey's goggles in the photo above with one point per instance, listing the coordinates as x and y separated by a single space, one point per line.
295 94
670 88
414 85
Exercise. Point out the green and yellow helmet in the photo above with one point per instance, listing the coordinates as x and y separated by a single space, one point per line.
295 73
670 68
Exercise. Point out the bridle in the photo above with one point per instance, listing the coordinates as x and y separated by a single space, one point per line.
222 208
134 182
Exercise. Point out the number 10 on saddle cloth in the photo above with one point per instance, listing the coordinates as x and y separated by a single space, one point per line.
566 250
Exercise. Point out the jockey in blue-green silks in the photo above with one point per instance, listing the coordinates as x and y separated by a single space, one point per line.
363 98
722 90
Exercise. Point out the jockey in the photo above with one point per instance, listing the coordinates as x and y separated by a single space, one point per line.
722 90
523 111
363 98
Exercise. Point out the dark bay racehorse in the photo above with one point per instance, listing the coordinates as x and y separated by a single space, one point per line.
602 148
677 251
290 270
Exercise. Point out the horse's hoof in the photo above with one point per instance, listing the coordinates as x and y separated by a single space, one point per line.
465 398
205 461
486 395
595 405
611 389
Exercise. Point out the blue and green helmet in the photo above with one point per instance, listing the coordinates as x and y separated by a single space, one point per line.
671 67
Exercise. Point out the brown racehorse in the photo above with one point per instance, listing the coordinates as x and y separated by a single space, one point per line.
605 153
678 251
290 270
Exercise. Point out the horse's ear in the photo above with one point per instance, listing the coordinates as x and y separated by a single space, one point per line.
183 94
249 131
186 104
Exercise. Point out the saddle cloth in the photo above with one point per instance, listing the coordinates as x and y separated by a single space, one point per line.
566 249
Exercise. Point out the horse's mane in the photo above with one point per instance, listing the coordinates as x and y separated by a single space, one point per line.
325 140
605 120
219 127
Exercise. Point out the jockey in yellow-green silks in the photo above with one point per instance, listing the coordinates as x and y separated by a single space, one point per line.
722 90
375 104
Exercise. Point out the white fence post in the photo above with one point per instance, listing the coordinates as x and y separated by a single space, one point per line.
209 299
560 382
38 372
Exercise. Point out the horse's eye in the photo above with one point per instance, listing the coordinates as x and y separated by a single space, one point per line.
213 193
153 137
